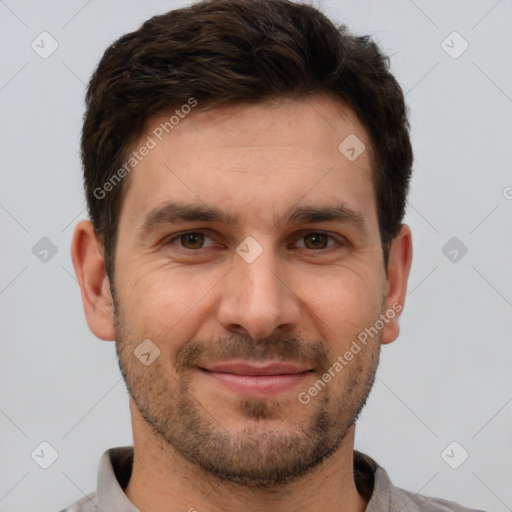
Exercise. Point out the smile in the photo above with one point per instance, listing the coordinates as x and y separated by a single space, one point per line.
257 380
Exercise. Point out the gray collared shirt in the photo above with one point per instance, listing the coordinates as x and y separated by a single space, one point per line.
372 481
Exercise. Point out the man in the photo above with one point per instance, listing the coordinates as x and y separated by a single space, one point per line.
246 167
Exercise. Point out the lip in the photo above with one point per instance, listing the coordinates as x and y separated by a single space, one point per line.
254 368
257 380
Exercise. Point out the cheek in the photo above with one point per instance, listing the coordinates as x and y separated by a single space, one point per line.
343 302
165 304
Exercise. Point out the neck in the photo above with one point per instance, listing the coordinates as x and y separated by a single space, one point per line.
162 480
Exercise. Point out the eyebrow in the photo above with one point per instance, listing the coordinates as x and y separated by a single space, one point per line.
172 212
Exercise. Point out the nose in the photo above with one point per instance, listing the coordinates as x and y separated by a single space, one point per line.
256 298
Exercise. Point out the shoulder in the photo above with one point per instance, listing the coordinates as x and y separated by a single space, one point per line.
88 503
373 481
407 501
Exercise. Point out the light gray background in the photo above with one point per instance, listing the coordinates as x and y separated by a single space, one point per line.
448 376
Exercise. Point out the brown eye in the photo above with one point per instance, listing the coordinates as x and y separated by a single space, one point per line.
192 240
316 240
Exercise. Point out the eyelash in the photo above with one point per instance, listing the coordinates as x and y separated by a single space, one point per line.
340 242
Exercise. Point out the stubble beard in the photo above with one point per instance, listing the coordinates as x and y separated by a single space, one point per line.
265 453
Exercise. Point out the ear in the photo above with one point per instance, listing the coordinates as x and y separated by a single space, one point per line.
92 278
399 265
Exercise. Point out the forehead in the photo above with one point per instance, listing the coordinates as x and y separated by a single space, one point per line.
254 157
316 122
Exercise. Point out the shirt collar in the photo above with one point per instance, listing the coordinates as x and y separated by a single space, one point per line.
114 473
115 468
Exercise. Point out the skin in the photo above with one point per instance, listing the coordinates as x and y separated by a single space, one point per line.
305 298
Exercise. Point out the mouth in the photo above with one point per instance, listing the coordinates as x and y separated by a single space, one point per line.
257 379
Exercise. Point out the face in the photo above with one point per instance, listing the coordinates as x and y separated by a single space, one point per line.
249 256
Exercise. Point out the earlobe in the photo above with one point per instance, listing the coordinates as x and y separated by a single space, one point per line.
399 265
92 277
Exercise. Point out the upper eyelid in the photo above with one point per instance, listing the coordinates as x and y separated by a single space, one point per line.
338 239
175 236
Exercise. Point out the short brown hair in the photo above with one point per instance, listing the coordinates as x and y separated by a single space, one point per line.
234 51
